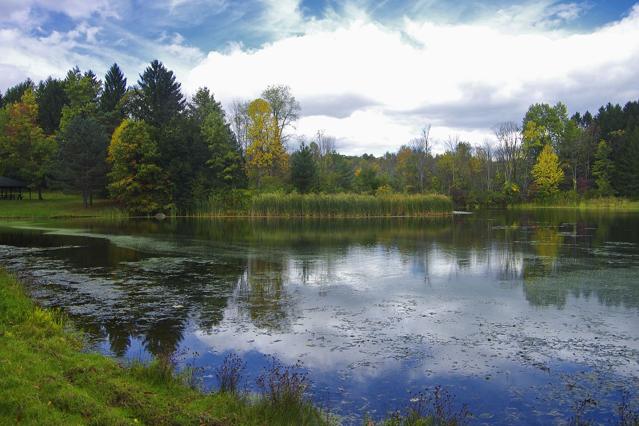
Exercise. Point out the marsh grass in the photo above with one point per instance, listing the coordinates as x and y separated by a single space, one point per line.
325 205
599 203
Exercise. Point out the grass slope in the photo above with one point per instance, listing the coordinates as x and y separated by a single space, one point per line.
46 377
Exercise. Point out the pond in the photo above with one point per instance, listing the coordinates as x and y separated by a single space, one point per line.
519 315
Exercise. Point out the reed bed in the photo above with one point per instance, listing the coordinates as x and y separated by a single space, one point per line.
599 203
328 205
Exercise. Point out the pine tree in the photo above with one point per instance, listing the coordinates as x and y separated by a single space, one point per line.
603 169
159 98
627 176
51 98
14 94
82 162
114 89
303 169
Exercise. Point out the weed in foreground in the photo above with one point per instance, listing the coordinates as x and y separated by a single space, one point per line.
283 385
230 373
436 408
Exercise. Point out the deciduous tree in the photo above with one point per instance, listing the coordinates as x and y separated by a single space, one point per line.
265 154
26 152
547 173
136 181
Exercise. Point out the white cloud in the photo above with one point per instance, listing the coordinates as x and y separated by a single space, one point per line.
462 78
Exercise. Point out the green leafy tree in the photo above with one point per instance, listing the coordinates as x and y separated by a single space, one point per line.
26 152
136 180
83 91
603 169
543 125
547 173
224 162
51 98
303 169
83 149
159 98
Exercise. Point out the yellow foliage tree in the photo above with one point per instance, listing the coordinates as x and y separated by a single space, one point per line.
266 155
547 173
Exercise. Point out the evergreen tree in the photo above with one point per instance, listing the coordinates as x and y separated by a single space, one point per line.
51 98
547 172
136 180
14 94
82 156
303 169
114 89
628 165
603 169
160 98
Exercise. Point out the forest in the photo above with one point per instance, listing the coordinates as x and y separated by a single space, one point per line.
152 149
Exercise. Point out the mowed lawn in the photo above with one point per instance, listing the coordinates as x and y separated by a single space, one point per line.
56 204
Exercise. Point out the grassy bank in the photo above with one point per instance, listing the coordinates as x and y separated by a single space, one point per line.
326 205
56 204
47 377
604 203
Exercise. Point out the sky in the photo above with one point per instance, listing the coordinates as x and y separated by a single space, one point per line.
370 73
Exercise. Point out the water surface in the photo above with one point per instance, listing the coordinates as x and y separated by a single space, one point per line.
519 314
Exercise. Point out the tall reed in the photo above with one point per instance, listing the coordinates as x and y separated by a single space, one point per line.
327 205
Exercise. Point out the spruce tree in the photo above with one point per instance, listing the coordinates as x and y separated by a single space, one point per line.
603 169
51 98
114 89
83 149
160 98
303 169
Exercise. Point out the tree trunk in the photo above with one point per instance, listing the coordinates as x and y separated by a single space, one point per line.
40 194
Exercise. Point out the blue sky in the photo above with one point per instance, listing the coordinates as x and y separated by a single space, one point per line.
371 73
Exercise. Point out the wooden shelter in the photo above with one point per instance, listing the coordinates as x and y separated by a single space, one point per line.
11 189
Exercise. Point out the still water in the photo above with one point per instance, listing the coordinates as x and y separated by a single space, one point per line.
520 315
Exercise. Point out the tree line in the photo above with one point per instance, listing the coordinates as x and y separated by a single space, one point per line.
152 150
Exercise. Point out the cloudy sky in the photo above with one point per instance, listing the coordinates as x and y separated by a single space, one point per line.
371 73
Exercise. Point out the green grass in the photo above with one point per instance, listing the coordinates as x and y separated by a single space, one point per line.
327 205
603 203
48 377
56 204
